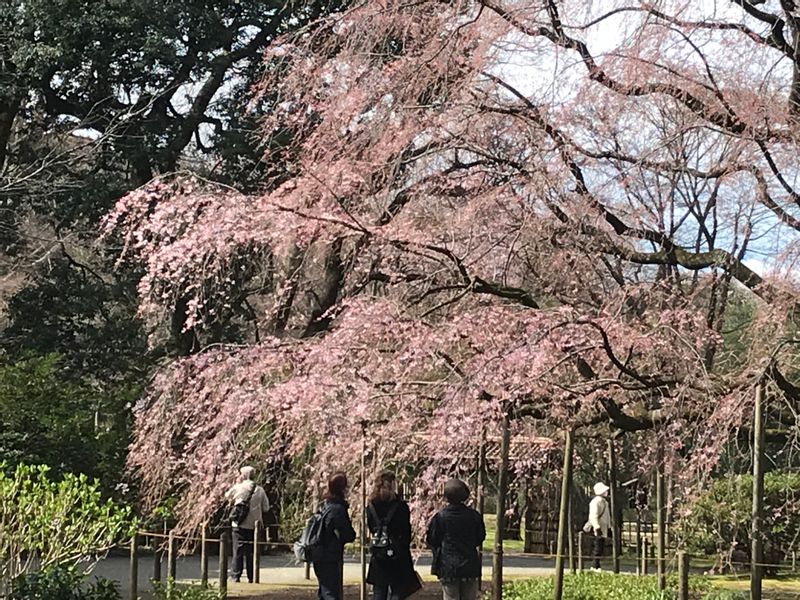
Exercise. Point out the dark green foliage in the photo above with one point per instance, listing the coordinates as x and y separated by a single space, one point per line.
172 591
71 425
62 583
719 521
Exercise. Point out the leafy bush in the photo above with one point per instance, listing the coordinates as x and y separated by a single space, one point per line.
48 523
61 583
606 586
172 591
719 521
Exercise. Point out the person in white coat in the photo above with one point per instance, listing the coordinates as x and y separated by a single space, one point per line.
246 492
599 521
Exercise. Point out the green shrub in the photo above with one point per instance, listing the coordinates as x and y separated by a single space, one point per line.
172 591
607 586
718 522
61 583
46 523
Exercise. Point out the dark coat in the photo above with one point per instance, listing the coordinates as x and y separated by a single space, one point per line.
337 531
454 534
398 571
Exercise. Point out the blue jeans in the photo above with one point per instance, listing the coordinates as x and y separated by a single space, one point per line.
329 575
384 592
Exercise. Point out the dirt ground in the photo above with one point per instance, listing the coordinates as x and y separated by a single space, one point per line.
431 591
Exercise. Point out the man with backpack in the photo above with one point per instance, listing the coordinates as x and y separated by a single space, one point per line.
250 504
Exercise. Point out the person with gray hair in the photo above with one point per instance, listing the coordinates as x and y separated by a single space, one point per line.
250 504
454 535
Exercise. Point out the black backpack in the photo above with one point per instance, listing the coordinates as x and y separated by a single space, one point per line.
309 547
381 546
240 510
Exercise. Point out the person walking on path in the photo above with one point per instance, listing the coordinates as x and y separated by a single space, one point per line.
246 493
391 568
599 522
454 535
337 530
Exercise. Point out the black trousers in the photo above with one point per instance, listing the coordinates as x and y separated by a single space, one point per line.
329 576
598 548
242 553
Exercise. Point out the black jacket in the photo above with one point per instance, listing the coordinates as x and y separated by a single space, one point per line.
454 534
397 571
338 531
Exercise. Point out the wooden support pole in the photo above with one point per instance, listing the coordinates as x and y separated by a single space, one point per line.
480 492
256 553
502 489
580 551
757 523
683 576
563 516
639 552
363 528
571 533
223 564
616 546
134 571
204 555
660 518
172 566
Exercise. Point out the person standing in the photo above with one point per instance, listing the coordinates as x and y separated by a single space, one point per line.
454 535
599 522
337 530
247 493
391 568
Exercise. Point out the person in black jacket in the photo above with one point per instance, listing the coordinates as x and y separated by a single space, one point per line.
454 535
391 569
337 531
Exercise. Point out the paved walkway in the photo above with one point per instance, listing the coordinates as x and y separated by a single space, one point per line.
281 570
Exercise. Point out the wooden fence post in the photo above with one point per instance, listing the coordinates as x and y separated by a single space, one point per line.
204 556
158 556
645 549
580 551
223 564
308 571
134 572
661 512
256 553
683 576
172 567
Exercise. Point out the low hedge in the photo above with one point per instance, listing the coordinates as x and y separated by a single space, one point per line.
607 586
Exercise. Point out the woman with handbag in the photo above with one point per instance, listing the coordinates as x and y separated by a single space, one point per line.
391 569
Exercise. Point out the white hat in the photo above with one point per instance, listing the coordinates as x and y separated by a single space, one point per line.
600 489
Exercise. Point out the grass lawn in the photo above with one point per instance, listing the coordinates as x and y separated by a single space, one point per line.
491 526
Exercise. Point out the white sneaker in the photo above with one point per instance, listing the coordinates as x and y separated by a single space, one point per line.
596 570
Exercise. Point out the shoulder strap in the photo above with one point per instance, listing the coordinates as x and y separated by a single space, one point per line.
250 495
603 504
385 520
374 513
390 514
